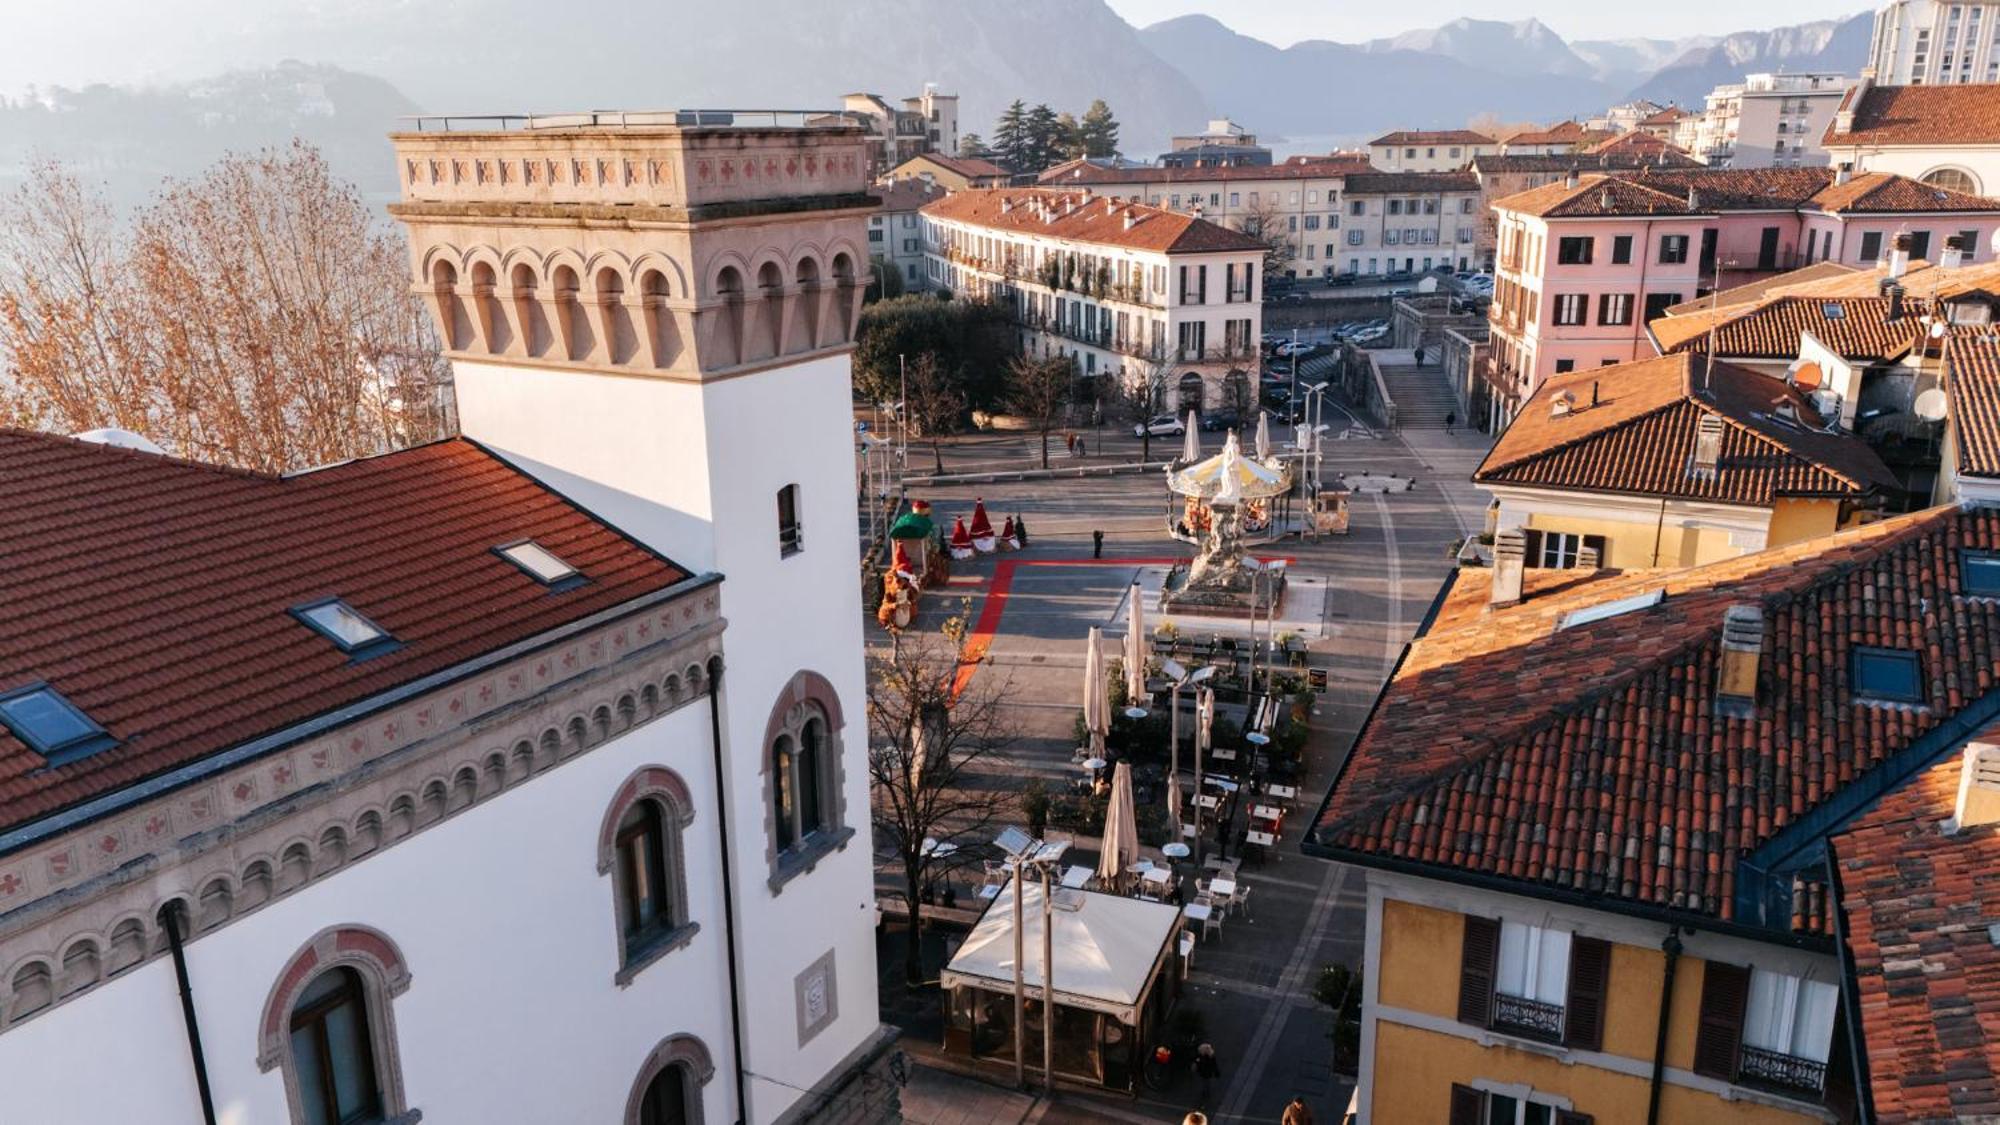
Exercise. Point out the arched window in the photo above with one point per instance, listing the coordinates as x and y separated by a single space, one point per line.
665 1101
1952 179
668 1089
329 1025
805 811
640 848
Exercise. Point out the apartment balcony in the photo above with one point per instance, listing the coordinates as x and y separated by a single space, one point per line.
1224 354
1531 1019
968 260
1777 1070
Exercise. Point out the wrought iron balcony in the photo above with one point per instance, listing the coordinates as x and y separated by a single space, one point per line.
1781 1071
1530 1018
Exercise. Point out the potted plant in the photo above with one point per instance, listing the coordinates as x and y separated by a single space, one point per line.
1035 806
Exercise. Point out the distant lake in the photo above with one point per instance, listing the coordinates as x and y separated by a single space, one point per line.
1312 144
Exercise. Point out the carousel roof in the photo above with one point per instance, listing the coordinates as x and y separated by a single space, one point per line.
912 525
1253 479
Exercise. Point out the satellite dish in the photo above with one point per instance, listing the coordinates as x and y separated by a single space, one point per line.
1931 405
1428 285
1937 330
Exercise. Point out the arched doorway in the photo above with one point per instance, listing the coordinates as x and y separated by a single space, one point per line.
1190 397
1236 394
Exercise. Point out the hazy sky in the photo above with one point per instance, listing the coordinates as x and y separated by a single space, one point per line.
1286 21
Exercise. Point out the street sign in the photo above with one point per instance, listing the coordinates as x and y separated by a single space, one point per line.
860 427
1317 678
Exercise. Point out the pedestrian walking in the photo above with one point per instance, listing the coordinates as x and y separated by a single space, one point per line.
1450 420
1207 1069
1222 831
1096 544
1420 356
1297 1113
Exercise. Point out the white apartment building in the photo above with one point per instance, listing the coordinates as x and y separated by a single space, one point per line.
896 230
1935 43
925 123
1335 215
1945 136
490 780
1765 121
1448 150
1128 290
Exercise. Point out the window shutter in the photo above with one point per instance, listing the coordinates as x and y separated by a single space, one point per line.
1583 1008
1725 991
1478 962
1602 546
1467 1105
1534 542
1571 1117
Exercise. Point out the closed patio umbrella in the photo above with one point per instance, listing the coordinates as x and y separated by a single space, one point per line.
1135 649
1263 436
1191 445
1121 828
1096 700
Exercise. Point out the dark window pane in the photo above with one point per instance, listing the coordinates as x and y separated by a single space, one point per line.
312 1077
781 782
1982 573
1501 1110
665 1102
1883 673
810 754
347 1042
642 869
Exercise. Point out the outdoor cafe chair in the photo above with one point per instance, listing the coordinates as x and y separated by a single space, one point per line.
1211 928
1239 903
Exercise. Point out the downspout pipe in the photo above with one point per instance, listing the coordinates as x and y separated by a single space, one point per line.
728 891
1672 948
171 918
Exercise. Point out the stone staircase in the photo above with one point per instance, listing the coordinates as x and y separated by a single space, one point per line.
1422 396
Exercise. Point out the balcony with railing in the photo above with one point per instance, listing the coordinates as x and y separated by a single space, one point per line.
1531 1019
1223 354
1778 1071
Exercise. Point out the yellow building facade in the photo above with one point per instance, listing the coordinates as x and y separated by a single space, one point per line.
1637 532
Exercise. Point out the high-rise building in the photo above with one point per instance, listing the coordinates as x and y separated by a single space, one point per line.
1936 42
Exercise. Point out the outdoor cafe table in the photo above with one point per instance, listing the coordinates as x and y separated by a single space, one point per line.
1208 800
1225 784
1267 812
1222 887
1224 755
1159 875
1199 911
1261 839
1281 792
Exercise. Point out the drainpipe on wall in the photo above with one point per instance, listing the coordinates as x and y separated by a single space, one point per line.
170 917
1672 948
728 891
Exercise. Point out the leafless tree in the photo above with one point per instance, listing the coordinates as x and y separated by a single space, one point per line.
258 316
1265 222
1138 399
933 403
1039 390
927 741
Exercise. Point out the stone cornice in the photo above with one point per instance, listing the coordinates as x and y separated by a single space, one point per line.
84 905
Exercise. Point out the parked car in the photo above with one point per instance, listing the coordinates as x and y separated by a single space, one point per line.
1369 336
1294 348
1161 425
1220 420
1400 291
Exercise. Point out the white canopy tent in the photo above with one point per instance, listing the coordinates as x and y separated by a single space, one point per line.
1109 949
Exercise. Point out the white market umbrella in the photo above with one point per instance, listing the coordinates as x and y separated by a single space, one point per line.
1174 806
1191 444
1135 649
1121 828
1096 700
1263 436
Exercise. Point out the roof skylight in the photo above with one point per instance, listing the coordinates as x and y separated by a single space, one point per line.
1618 608
1833 310
541 564
345 627
51 725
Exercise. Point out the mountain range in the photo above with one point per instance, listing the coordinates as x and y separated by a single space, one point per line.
213 78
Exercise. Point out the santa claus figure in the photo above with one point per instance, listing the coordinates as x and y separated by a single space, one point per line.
1010 540
961 540
982 528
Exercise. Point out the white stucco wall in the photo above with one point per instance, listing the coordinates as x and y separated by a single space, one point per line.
509 935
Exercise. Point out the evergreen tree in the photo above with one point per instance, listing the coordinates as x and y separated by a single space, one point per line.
1011 142
1069 137
1098 131
1044 139
973 147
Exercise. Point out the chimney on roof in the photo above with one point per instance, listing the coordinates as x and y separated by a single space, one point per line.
1978 788
1899 254
1604 199
1006 204
1510 563
1593 393
1707 447
1131 220
1572 179
1742 656
1954 252
1895 295
1561 404
1842 173
1694 198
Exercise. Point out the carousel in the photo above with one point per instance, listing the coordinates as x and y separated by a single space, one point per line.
917 559
1258 488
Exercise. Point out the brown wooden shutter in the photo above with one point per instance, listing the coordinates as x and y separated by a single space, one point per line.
1571 1117
1583 1008
1467 1105
1725 992
1534 541
1478 961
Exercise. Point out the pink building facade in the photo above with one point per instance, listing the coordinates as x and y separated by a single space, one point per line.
1584 264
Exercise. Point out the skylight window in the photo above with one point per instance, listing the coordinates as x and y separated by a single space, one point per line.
1832 311
1980 572
51 725
346 628
1606 610
1889 674
541 564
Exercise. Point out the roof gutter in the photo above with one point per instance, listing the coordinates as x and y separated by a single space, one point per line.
36 831
1850 997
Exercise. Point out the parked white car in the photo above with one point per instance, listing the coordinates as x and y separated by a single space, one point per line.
1161 425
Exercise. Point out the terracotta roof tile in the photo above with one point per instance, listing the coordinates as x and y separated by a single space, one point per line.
1083 217
1608 160
1770 329
1639 437
1703 191
1749 293
1433 137
1083 173
1916 904
1920 115
972 168
1972 365
1594 759
1595 195
1878 193
153 593
1393 183
907 194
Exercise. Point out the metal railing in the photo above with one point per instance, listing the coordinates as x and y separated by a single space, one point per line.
633 119
1786 1072
1531 1018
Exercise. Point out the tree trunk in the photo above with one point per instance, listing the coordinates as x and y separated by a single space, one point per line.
1045 449
913 953
1146 442
937 454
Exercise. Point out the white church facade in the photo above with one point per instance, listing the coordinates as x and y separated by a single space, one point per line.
513 778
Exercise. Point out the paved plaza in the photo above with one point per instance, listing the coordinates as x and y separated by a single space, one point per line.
1362 593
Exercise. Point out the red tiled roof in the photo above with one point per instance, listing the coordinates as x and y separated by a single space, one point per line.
972 168
1083 173
1639 437
907 194
1666 116
1972 366
1750 292
1605 160
1594 196
1082 217
1595 760
1569 132
1878 193
153 593
1409 183
1919 115
1644 144
1689 190
1916 905
1433 137
1770 329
